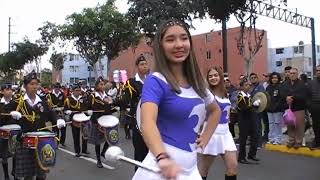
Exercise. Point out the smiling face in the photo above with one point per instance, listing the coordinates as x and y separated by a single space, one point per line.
213 77
176 44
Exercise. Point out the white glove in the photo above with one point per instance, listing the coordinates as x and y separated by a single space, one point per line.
256 103
68 112
61 123
16 115
89 112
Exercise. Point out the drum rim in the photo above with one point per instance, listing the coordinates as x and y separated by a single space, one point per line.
112 125
34 134
87 118
80 120
16 127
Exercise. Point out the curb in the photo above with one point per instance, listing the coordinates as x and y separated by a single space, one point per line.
305 151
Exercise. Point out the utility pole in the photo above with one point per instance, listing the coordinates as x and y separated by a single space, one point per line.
9 34
225 46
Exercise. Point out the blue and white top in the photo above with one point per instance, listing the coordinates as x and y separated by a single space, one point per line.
179 115
225 105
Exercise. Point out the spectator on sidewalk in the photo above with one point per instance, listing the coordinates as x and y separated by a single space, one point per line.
314 98
276 109
295 93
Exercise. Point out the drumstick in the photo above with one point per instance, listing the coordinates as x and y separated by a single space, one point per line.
8 114
52 126
115 153
92 111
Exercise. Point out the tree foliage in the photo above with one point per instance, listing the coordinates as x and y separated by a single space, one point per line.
23 52
100 31
46 75
149 13
57 61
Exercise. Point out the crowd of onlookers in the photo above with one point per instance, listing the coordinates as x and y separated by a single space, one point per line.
286 90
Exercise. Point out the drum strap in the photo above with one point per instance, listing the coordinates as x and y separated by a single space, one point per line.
130 88
24 111
75 106
94 99
50 102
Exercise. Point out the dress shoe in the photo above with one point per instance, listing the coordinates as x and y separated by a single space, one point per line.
315 146
77 155
85 152
290 145
253 158
244 161
99 164
297 145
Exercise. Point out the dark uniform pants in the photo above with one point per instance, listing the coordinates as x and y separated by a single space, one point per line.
315 114
140 148
76 140
247 127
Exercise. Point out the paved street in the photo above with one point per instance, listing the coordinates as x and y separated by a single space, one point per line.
275 166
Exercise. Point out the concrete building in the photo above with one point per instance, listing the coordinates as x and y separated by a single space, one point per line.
208 50
299 56
76 69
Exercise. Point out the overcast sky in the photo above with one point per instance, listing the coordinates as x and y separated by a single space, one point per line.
28 15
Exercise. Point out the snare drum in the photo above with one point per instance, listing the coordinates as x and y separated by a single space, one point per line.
31 139
109 126
45 145
82 121
8 131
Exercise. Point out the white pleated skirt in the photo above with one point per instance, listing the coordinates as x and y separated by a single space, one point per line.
186 160
220 142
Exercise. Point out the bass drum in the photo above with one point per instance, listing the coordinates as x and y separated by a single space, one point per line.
138 116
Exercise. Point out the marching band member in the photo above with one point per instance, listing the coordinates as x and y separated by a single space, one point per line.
75 102
98 101
131 95
31 113
6 91
174 104
55 101
247 124
221 142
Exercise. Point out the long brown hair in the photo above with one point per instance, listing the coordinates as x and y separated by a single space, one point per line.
220 88
190 66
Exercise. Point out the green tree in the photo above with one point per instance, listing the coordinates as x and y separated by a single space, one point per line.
46 77
57 61
100 31
148 13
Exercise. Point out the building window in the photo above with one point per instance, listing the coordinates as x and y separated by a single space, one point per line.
301 49
318 49
90 68
74 80
278 63
71 68
310 62
71 57
279 50
289 59
92 80
76 69
208 38
295 49
208 54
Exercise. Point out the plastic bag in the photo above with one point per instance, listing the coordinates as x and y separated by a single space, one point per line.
289 118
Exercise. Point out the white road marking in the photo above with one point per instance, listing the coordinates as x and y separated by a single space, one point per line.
86 158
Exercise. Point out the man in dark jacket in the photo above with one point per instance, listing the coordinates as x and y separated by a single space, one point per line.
314 98
295 93
258 87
